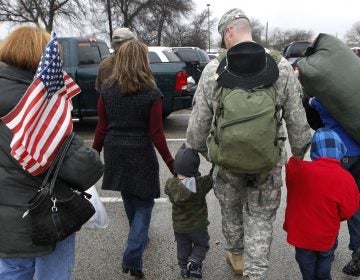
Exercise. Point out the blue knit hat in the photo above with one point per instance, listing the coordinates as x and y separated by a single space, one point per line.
327 143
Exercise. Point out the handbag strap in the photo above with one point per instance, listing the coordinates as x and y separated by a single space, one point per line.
56 163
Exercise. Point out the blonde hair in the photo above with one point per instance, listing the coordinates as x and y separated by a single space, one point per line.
132 69
23 47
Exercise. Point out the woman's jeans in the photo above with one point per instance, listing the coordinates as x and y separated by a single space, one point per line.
55 266
314 265
138 212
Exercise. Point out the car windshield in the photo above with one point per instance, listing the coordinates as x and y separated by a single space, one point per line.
297 49
171 56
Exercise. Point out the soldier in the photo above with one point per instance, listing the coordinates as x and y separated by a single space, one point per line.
119 36
246 223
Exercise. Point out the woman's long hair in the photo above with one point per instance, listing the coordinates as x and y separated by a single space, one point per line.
23 47
132 70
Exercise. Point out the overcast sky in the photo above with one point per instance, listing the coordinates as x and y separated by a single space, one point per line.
320 16
333 17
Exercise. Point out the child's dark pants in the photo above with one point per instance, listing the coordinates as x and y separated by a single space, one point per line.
192 246
314 265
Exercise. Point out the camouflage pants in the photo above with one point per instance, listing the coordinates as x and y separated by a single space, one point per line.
247 224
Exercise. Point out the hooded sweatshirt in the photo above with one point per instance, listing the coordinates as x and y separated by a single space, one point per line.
189 210
320 194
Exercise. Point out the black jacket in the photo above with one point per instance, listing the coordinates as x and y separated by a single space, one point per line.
82 167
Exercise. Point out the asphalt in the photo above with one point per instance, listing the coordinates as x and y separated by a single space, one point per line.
99 252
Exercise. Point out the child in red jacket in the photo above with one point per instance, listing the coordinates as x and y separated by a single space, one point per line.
320 194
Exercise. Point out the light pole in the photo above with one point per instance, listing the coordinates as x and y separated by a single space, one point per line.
109 18
208 5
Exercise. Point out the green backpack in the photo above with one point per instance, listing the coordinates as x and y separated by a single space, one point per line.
244 133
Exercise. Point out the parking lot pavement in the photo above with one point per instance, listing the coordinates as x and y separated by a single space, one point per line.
99 251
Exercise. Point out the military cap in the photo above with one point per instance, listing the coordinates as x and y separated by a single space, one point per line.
230 16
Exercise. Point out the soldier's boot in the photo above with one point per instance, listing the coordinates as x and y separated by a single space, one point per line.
236 261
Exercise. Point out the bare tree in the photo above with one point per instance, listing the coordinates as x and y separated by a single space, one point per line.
257 30
198 35
353 35
278 38
194 33
41 13
297 35
177 35
160 17
127 11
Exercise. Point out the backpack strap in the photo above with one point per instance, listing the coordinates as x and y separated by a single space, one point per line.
276 56
221 56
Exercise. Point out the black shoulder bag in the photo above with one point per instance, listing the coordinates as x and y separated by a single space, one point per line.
56 213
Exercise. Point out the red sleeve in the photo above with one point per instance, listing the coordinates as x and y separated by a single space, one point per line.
157 134
349 203
101 128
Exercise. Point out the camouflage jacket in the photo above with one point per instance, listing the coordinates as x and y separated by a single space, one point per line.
289 96
189 210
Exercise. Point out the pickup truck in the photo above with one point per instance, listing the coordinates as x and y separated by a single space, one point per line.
81 58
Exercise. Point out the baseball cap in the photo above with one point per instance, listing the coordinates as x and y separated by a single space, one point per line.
121 34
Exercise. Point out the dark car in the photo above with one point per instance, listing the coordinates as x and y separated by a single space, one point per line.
356 50
195 59
82 56
295 51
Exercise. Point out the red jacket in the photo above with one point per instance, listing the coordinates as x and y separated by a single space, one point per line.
320 194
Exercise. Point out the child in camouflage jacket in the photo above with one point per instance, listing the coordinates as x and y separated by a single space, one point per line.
187 191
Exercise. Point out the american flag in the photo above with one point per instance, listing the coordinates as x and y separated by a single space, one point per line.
41 120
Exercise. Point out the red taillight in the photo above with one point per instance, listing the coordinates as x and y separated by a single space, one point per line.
181 81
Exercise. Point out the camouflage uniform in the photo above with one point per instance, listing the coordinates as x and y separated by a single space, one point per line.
247 225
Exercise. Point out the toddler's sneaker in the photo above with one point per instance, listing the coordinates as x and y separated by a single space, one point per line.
195 269
184 273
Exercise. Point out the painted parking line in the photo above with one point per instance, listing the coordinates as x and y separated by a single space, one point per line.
180 115
119 199
176 139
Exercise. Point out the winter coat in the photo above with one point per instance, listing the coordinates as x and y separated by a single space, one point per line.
320 194
353 148
189 210
81 167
